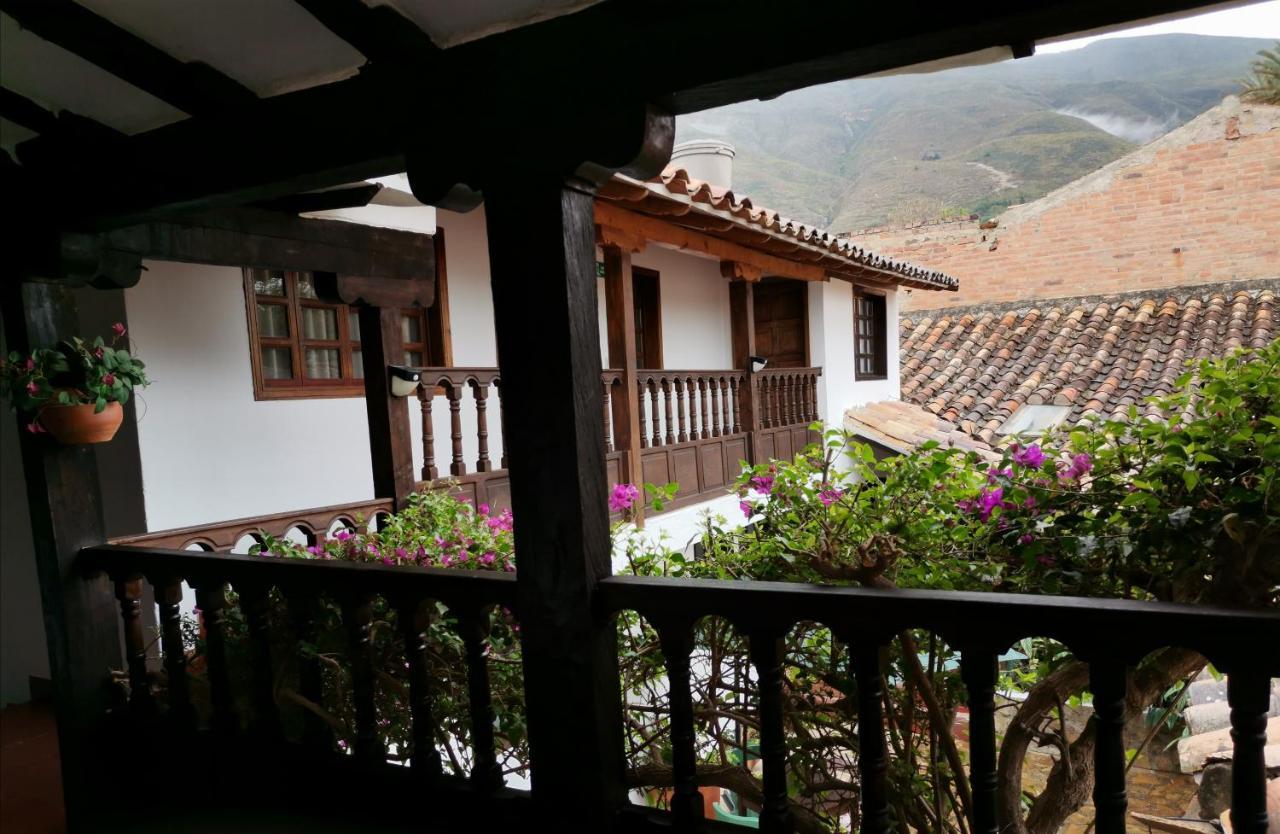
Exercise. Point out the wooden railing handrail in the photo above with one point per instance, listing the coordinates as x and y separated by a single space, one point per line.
315 519
456 587
1089 625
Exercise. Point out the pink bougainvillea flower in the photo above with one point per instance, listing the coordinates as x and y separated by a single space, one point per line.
401 553
508 567
483 509
118 329
34 427
747 509
99 352
32 388
622 496
988 500
1031 457
108 379
1080 466
315 550
30 364
762 484
1026 538
993 474
830 496
342 535
488 558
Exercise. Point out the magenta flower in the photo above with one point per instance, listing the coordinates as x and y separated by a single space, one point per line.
988 500
342 535
1026 538
401 553
488 558
118 329
747 509
993 474
1080 466
622 496
830 496
32 388
108 379
30 364
1031 457
483 509
315 550
34 427
762 484
508 567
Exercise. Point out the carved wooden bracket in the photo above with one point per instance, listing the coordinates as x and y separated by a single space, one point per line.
628 240
738 271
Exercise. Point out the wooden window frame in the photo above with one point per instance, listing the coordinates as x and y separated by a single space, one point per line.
877 321
432 327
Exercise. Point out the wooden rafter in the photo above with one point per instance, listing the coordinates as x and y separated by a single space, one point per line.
21 110
194 88
333 198
380 33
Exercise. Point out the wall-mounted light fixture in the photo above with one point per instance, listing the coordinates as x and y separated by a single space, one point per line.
404 381
758 364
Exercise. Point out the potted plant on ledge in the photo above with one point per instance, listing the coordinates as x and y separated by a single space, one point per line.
74 391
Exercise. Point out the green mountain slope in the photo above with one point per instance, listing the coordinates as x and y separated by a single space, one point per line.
914 147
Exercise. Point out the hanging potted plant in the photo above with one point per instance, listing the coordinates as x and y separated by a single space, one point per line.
74 391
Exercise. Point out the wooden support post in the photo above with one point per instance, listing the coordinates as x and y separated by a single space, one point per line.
542 262
81 622
742 329
620 316
390 442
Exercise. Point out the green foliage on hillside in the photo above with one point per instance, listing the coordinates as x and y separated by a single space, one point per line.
913 147
1263 85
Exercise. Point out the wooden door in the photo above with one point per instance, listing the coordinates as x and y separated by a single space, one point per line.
782 322
648 305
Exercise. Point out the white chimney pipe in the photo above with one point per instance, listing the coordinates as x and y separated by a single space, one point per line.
706 159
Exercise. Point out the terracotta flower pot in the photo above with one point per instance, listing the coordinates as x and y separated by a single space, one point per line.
76 424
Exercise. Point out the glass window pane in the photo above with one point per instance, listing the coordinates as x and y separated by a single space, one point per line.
306 286
323 364
413 358
319 323
268 282
353 325
357 364
411 329
273 321
276 363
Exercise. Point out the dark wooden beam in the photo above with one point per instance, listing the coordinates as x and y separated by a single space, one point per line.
380 33
361 127
390 443
354 196
194 88
21 110
80 617
542 263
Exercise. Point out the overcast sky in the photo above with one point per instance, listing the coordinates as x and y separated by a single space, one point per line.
1259 20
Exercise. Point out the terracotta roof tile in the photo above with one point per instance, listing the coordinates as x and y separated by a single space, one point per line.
678 198
979 366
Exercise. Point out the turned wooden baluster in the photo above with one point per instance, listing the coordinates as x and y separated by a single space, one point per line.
425 394
454 393
415 618
681 393
686 804
486 774
704 412
651 386
169 598
736 384
357 615
873 755
303 613
644 421
766 652
607 402
789 399
129 593
725 419
714 389
670 435
1249 695
1107 682
211 597
978 669
256 603
765 417
480 391
502 416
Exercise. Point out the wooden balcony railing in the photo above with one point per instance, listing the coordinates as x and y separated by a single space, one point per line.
735 415
1111 635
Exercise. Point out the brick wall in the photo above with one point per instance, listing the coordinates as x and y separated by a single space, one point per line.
1199 205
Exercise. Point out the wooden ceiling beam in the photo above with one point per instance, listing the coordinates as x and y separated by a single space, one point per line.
23 111
193 88
380 33
330 199
660 231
